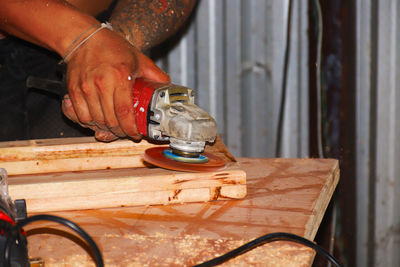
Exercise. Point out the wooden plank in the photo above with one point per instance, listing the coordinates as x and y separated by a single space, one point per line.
283 195
80 173
81 153
124 187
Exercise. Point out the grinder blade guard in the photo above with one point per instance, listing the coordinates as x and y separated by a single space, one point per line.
173 116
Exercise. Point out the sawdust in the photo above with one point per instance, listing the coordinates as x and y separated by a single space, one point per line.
160 249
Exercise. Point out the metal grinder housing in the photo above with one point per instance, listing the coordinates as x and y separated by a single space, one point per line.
167 112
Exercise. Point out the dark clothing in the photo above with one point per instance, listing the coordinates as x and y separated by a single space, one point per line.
30 113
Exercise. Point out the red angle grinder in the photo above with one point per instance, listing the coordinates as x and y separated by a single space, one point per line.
163 112
166 112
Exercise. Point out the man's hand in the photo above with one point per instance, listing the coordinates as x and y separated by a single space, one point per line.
100 78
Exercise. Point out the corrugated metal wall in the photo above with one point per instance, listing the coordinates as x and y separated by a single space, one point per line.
378 128
232 54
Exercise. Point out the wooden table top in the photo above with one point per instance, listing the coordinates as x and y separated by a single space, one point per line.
284 195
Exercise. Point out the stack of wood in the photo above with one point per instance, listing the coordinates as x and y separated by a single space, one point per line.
81 173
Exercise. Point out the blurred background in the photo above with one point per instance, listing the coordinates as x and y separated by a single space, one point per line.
307 78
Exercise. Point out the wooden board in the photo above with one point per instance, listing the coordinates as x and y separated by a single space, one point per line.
80 173
284 195
79 154
124 187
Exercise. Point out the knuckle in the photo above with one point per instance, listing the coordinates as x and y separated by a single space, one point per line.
123 111
72 91
86 89
121 73
122 69
99 80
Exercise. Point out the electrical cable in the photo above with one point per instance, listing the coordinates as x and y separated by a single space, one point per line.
318 80
265 239
320 117
73 226
213 262
281 115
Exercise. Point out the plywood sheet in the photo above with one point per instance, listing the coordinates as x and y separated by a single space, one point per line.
283 195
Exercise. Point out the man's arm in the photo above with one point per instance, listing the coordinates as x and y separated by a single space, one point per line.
147 23
100 74
52 24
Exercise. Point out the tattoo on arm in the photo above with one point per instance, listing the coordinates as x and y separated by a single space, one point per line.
146 23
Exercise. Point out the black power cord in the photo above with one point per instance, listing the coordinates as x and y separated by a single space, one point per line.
13 237
73 226
265 239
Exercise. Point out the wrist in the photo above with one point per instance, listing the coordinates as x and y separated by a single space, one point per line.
81 28
84 37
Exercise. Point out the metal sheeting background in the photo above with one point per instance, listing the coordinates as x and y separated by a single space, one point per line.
378 128
232 54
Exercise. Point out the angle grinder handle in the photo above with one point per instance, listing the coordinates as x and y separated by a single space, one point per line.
52 86
57 87
142 94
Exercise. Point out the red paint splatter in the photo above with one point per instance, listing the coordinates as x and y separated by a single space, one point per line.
162 8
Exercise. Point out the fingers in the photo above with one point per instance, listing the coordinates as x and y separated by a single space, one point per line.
104 102
105 85
92 99
69 112
105 136
123 106
78 102
100 84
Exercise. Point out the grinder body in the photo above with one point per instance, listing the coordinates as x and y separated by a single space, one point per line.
167 112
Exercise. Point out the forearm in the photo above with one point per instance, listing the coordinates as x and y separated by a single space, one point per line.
148 23
53 24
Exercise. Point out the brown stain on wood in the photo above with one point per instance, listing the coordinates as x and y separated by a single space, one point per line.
221 174
229 182
175 196
180 181
217 193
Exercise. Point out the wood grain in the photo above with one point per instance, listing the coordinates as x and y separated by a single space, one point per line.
124 187
283 195
80 173
81 153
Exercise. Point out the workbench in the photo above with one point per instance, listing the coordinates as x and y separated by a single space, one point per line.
283 195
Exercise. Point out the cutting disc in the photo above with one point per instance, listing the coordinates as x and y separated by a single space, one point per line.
155 156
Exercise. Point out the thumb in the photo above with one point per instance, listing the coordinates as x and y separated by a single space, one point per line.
149 70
